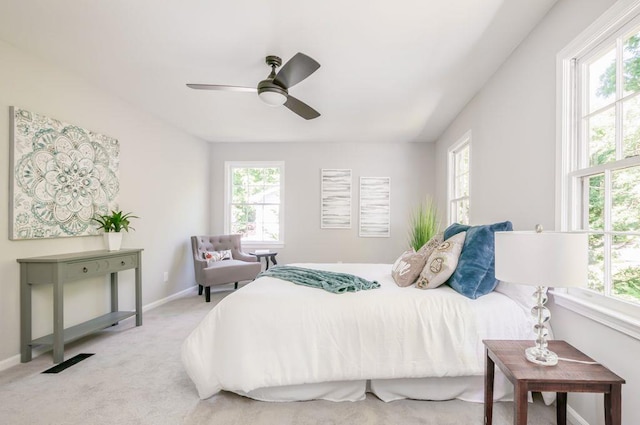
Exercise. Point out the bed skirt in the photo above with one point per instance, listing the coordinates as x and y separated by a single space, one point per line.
466 388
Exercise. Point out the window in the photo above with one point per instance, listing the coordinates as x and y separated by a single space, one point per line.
254 200
600 155
459 165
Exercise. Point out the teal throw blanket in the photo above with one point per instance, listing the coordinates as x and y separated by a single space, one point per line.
329 281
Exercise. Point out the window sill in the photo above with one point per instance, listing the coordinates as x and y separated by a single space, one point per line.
249 246
621 322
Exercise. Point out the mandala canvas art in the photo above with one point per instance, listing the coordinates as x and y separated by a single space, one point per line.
62 175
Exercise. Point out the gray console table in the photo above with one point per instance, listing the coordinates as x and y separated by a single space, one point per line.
57 270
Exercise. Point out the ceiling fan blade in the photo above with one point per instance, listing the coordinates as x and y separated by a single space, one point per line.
222 88
301 108
297 69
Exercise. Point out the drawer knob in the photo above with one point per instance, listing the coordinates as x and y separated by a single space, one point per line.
84 270
122 263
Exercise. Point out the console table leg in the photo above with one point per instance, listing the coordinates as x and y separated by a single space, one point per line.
139 292
114 292
25 316
58 321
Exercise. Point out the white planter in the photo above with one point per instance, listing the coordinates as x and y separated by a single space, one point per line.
113 240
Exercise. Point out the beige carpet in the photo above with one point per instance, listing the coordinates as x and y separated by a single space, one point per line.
135 377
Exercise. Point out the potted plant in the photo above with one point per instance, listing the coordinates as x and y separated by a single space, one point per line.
423 224
113 224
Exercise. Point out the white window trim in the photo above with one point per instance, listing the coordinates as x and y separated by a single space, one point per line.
457 146
227 199
615 314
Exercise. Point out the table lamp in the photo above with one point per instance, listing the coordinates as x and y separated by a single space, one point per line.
542 259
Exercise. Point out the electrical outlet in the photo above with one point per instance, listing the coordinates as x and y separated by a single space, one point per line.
166 276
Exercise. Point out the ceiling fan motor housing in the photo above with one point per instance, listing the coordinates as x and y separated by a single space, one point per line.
270 92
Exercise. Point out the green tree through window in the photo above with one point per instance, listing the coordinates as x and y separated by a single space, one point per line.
255 204
615 239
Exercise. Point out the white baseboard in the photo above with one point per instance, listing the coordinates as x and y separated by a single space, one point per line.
169 298
15 360
574 419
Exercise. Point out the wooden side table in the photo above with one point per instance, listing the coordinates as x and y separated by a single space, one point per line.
266 256
563 378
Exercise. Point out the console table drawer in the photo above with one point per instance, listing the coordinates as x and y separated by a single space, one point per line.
82 269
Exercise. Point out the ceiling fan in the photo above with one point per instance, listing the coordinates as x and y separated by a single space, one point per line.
274 90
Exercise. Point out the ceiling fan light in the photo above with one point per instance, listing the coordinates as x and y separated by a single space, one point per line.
273 98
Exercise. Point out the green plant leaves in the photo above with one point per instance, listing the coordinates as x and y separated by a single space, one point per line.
424 224
117 221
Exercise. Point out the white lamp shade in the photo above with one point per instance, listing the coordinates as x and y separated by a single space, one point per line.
554 259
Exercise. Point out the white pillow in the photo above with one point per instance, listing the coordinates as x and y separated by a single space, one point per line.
521 294
214 256
441 263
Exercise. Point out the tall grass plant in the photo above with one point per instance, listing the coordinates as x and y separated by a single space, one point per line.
424 224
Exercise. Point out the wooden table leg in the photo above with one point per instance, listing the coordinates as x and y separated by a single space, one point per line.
489 371
561 408
613 406
520 400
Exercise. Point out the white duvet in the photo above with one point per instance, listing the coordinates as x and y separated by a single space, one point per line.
273 333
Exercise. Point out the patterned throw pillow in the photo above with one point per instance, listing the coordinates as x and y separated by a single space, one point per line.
213 256
433 243
407 267
441 263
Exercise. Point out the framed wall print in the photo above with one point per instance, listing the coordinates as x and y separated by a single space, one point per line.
375 207
335 194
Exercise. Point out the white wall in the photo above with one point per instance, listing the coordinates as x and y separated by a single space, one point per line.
513 175
163 179
410 166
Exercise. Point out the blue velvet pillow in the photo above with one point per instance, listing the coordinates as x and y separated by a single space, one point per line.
475 275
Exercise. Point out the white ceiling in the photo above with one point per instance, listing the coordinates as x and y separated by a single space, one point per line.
392 71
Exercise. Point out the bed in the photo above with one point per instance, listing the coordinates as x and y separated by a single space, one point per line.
274 340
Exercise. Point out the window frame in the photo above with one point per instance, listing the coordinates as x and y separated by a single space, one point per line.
618 20
228 167
463 142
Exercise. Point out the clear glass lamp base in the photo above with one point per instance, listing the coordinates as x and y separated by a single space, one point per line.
541 356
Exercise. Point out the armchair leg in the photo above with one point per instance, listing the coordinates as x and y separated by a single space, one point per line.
200 289
207 294
236 286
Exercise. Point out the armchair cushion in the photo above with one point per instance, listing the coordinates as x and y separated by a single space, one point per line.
228 271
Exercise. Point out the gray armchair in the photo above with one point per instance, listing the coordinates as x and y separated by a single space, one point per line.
241 267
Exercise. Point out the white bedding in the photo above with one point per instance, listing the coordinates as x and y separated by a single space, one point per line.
274 333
